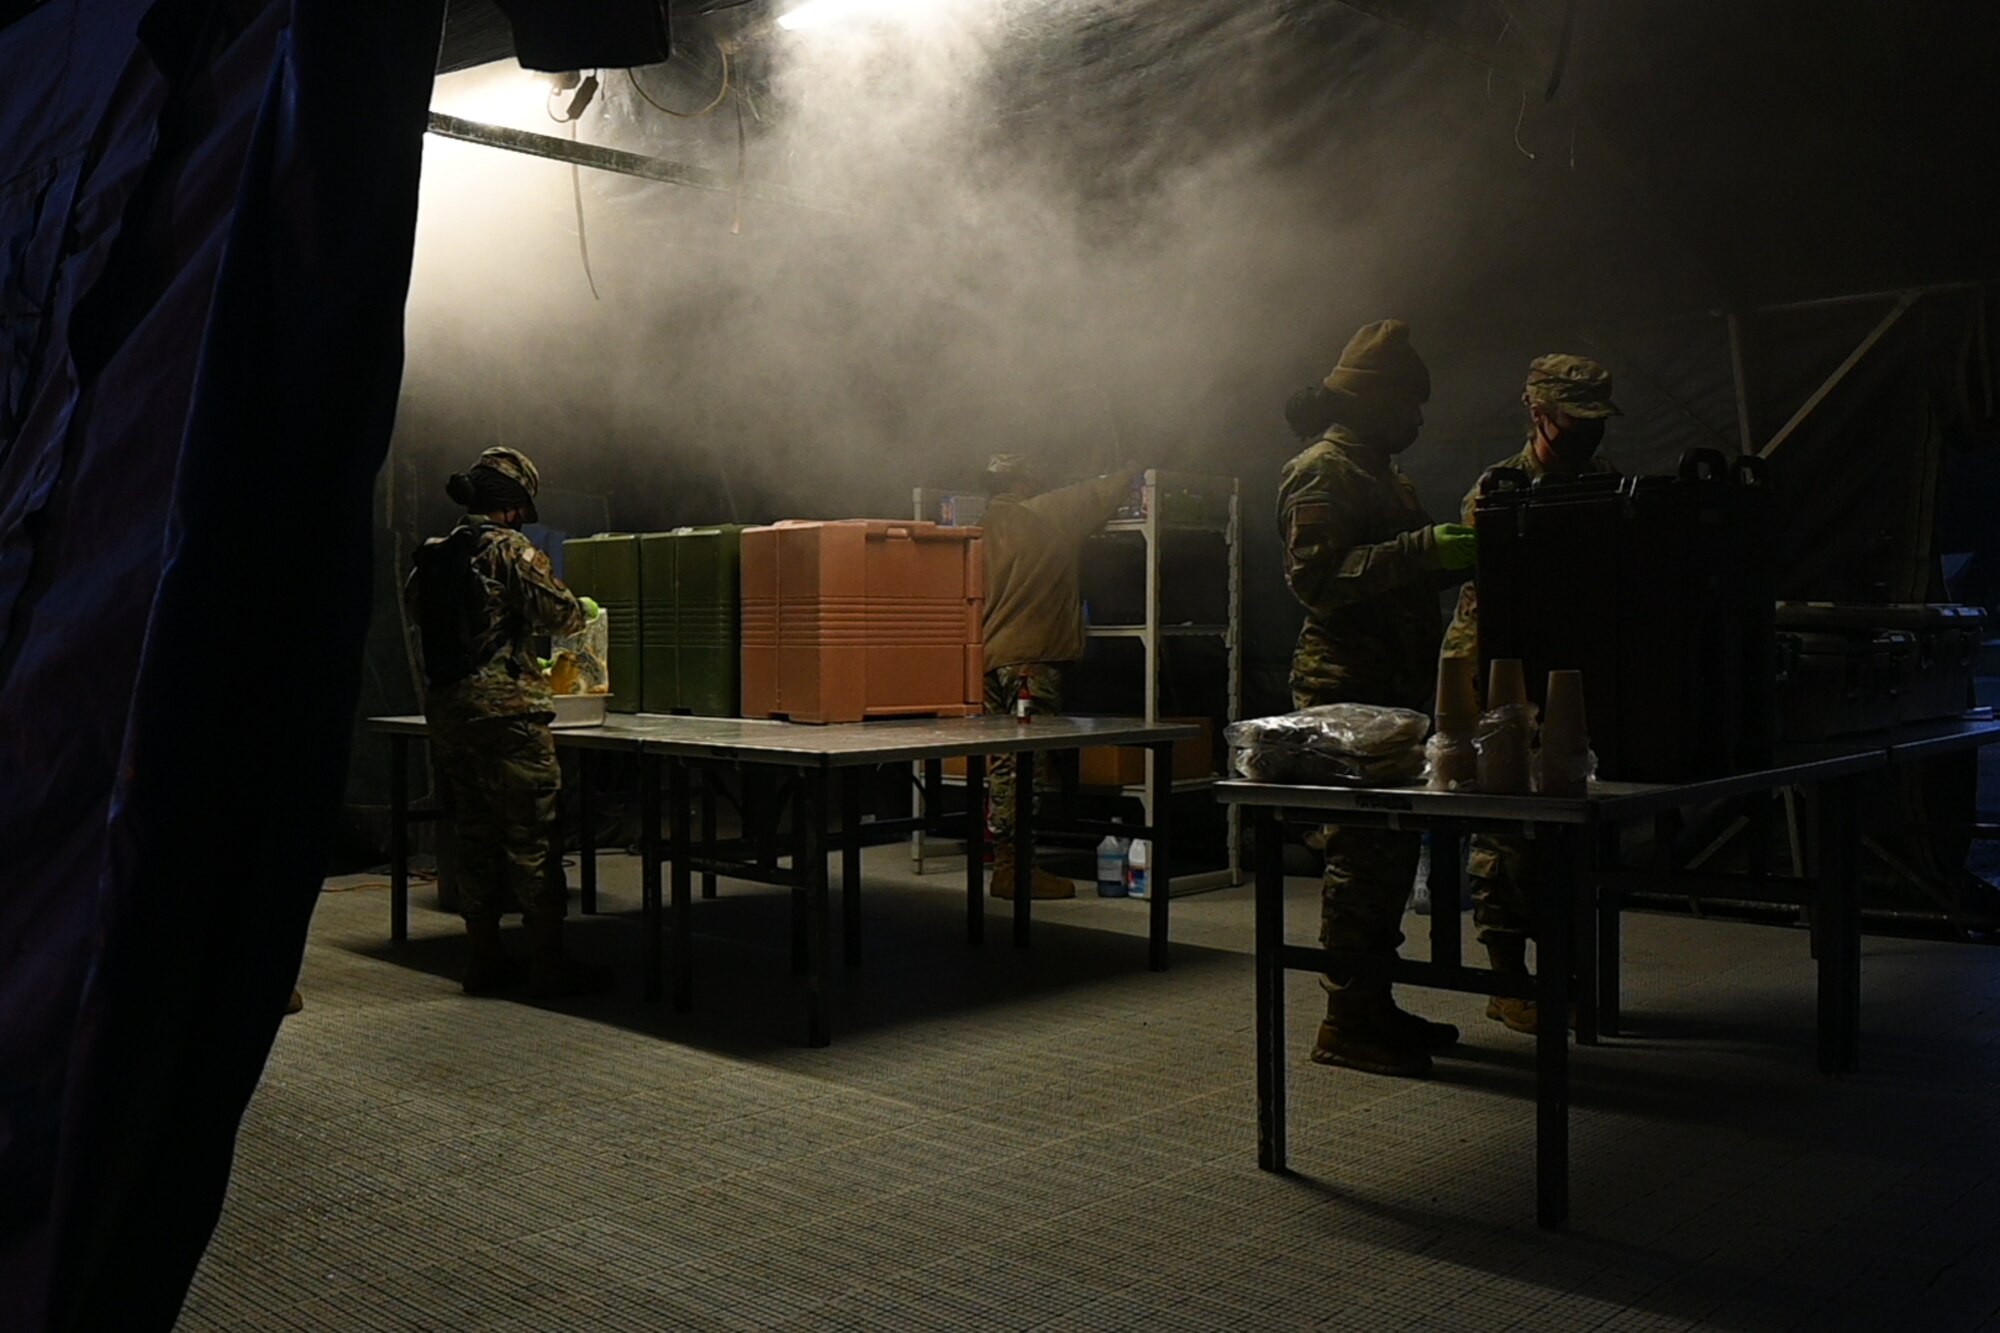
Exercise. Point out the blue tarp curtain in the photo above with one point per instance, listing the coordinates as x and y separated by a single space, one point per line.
206 219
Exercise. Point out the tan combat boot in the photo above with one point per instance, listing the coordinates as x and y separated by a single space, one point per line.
1509 955
1043 885
1361 1032
489 969
553 974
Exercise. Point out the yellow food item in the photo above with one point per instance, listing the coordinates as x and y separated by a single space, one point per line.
565 673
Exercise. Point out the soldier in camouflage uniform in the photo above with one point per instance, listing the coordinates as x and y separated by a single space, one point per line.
1034 621
1568 400
479 596
1368 565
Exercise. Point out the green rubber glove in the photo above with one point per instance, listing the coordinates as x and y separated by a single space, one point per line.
590 608
1457 547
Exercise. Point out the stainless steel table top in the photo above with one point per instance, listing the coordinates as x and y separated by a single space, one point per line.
1926 740
843 744
1605 801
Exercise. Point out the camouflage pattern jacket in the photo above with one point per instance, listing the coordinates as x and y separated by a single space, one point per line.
1462 639
1360 556
523 598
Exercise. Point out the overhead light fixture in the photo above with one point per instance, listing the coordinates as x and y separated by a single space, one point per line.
817 14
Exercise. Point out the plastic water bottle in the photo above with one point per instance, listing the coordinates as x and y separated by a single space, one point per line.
1420 898
1111 867
1138 869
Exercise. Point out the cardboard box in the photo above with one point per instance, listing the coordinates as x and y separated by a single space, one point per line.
1125 766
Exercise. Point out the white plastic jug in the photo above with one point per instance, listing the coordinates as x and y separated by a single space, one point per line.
1111 867
1138 868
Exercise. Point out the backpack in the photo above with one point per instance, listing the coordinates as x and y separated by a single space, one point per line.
452 612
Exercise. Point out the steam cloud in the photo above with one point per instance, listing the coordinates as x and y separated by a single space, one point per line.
1084 230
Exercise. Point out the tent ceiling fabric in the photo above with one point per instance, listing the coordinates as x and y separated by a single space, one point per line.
1750 131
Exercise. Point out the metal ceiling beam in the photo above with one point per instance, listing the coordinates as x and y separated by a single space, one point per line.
1858 298
598 158
1744 438
1840 372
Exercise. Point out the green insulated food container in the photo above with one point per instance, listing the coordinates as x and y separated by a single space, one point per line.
606 567
691 620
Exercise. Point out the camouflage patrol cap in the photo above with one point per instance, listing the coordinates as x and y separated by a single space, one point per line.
1573 384
514 465
503 479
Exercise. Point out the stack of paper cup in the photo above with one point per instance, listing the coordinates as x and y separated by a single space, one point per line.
1505 731
1506 683
1563 767
1454 762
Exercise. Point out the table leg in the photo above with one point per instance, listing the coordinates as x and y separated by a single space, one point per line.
760 808
649 870
1570 867
1583 939
681 842
1836 927
975 849
1270 876
553 869
1610 944
586 833
1610 941
931 799
850 864
708 885
1160 871
399 839
1024 846
812 808
801 873
1447 898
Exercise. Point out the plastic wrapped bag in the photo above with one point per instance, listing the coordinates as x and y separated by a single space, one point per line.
1454 761
1558 774
1332 745
1504 742
578 662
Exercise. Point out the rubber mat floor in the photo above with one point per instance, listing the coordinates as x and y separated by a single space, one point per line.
1058 1138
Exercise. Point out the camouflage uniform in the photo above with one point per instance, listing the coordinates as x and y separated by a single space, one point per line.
1501 868
490 732
1003 686
1034 606
1361 556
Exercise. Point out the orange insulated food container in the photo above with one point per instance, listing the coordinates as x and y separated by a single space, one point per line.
862 618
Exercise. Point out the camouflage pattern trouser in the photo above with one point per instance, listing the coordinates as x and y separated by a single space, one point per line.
1370 874
1003 685
501 777
1501 870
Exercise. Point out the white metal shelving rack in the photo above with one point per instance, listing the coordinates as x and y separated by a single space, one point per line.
1154 528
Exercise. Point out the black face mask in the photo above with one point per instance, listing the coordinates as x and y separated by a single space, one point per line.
1577 445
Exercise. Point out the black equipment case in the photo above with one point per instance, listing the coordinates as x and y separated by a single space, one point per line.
1847 668
1659 589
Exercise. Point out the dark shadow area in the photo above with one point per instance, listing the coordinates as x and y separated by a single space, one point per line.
1454 1239
915 962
